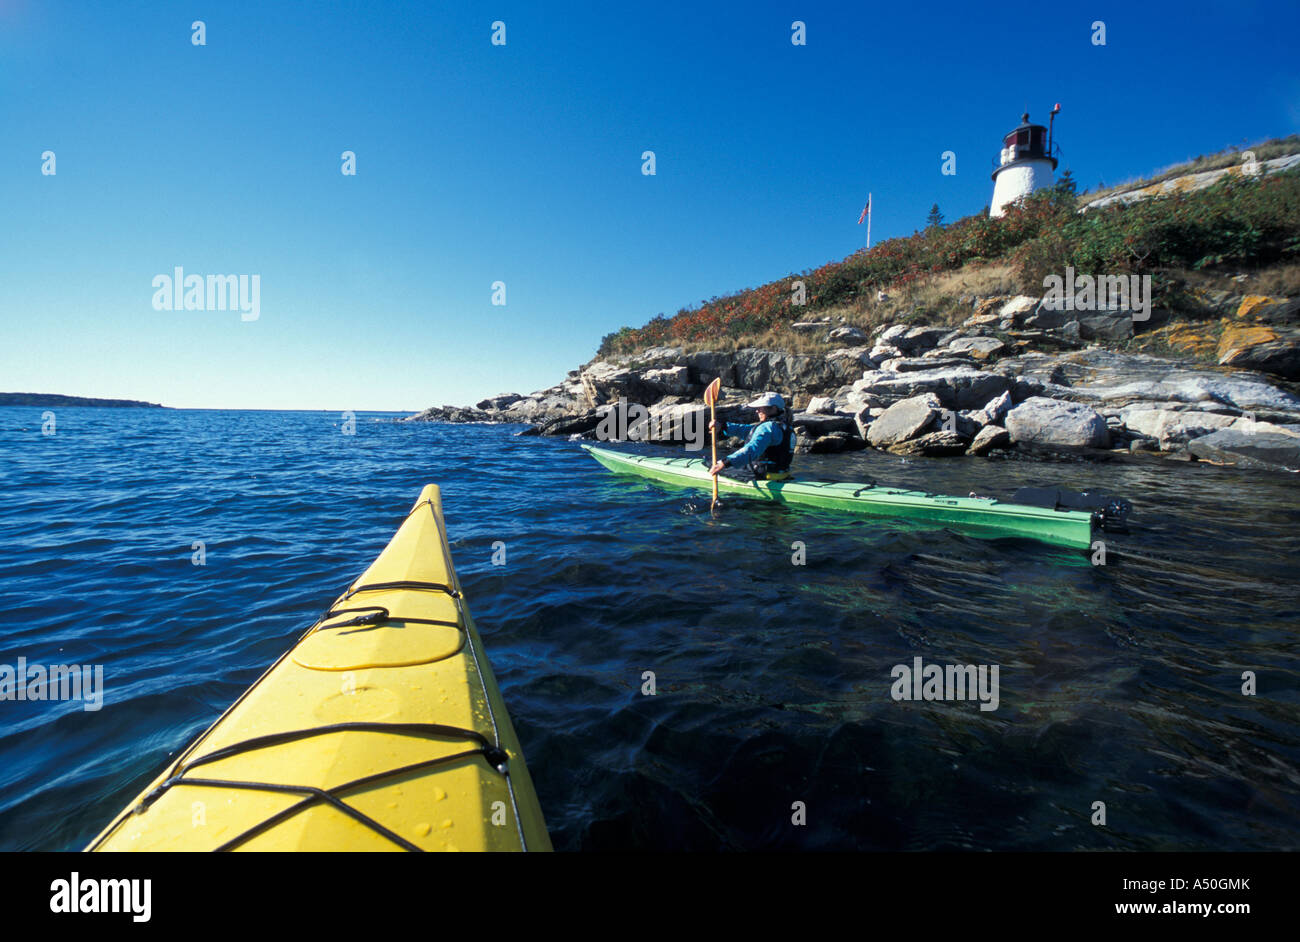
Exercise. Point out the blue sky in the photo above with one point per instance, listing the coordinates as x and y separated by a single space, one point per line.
522 163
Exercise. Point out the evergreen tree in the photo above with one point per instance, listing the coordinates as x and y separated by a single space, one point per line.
1067 184
935 219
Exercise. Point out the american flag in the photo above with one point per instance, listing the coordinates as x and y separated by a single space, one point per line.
865 209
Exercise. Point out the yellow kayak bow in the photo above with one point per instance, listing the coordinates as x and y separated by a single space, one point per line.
381 729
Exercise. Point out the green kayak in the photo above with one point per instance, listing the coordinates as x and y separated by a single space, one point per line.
980 516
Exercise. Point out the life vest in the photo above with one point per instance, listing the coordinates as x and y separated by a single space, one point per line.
776 458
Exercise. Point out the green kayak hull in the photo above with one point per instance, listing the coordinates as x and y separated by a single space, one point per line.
979 516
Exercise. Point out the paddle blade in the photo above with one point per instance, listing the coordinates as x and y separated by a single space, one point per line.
711 394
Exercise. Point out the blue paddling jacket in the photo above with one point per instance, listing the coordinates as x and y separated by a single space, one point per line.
769 448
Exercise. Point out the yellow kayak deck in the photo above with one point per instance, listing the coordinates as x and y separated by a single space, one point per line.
381 729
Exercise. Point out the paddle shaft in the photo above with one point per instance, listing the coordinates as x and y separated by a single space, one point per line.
711 400
714 434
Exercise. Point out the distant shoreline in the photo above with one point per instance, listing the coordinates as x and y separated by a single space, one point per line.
53 399
39 400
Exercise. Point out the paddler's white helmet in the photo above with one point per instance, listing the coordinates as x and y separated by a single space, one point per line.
768 401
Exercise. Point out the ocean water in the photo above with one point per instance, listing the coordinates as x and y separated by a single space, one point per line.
1119 684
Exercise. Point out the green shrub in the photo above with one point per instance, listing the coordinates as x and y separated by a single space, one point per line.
1236 221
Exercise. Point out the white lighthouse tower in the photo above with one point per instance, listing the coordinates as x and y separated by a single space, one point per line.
1024 165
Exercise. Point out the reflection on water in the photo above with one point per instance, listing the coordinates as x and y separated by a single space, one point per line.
1118 683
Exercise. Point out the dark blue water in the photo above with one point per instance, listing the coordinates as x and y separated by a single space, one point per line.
1118 684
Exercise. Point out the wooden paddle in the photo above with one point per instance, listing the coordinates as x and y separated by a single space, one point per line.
711 400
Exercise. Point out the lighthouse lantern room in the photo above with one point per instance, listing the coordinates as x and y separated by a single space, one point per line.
1025 164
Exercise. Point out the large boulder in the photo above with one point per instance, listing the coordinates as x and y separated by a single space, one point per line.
988 438
1269 451
1071 333
1239 393
995 410
1169 427
678 422
456 414
904 420
578 424
1268 349
495 403
604 382
1047 316
845 364
1108 378
538 408
988 311
1103 323
1018 308
1112 326
849 337
965 423
912 339
1043 421
932 444
961 387
819 425
833 442
1271 310
981 348
863 418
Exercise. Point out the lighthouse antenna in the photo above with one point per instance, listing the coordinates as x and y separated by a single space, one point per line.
1051 125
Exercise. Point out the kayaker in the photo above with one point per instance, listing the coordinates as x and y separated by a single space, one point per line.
769 445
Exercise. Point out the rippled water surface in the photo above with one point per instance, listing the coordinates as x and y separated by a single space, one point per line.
1118 683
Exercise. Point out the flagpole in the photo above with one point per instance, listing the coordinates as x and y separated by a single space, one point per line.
868 222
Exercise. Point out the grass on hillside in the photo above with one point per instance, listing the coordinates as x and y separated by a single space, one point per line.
1238 224
1231 157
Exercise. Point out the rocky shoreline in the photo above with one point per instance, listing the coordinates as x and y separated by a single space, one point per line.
1015 375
